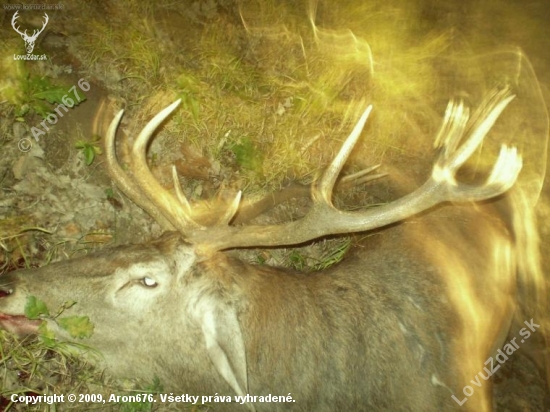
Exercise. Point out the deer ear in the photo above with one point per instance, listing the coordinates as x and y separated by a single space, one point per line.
225 346
216 314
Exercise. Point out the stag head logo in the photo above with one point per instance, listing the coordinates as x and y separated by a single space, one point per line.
29 40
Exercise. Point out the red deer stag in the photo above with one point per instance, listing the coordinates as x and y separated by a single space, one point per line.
403 325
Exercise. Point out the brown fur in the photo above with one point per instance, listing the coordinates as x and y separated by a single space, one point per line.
401 325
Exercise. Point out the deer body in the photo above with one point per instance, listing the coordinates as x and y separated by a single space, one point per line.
402 325
381 331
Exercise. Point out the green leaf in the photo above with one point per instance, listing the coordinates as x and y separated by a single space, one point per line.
78 326
89 154
23 110
41 108
52 95
35 307
46 336
109 193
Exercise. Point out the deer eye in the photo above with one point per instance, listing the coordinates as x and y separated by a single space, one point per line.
150 283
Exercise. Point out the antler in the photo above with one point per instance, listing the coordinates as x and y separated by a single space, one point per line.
168 210
13 19
24 34
323 219
37 32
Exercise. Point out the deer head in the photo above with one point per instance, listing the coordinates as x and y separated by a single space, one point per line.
29 40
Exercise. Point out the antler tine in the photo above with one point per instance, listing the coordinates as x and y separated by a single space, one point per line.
169 211
172 209
472 143
506 169
46 20
502 178
123 181
452 128
13 19
361 174
361 177
223 220
322 192
323 219
179 193
229 214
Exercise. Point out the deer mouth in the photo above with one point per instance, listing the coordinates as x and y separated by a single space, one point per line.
19 324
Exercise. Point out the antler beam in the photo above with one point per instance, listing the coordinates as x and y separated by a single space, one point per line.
323 219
